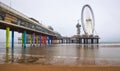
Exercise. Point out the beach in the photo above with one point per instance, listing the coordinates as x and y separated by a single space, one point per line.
61 57
23 67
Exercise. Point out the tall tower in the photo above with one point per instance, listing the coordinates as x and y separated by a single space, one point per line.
78 28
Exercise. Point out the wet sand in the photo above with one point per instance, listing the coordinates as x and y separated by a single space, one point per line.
63 54
25 67
61 58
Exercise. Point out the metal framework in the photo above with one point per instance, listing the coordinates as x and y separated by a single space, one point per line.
88 26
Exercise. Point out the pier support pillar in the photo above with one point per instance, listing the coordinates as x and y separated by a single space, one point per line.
69 41
24 39
80 40
37 40
52 40
40 40
49 39
45 40
12 39
33 39
84 41
58 41
66 41
12 51
30 40
92 41
97 40
62 41
89 41
55 40
7 36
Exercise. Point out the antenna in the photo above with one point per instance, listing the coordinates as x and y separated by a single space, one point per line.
10 3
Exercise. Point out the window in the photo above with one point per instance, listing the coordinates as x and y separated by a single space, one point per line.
1 17
19 22
33 26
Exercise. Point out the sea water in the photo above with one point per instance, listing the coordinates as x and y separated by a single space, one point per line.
62 54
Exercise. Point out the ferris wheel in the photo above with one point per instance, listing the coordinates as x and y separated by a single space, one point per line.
87 20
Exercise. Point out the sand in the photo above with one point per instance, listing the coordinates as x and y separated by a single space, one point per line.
25 67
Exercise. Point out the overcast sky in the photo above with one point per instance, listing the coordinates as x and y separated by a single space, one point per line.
62 15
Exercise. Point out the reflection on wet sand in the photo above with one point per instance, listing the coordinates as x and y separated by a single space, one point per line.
59 55
88 54
9 58
7 55
12 54
22 58
31 56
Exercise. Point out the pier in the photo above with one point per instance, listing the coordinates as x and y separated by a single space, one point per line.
12 20
81 39
34 33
